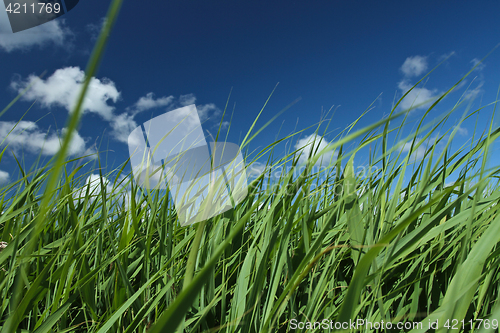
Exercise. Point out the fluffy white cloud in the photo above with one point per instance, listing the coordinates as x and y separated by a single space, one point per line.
4 177
418 98
27 135
414 66
53 32
63 87
311 143
149 102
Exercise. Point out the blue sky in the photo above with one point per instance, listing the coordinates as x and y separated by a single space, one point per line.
159 57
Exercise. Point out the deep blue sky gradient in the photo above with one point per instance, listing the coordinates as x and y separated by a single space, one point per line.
328 53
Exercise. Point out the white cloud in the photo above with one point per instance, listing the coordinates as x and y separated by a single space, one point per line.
27 135
414 66
95 28
417 154
94 188
148 102
53 32
255 169
416 97
188 99
93 185
473 93
206 111
122 125
4 177
461 130
480 65
94 181
63 87
313 142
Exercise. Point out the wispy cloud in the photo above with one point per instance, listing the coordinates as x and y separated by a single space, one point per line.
478 89
53 32
205 111
26 135
208 111
480 65
95 28
461 130
187 99
149 102
419 153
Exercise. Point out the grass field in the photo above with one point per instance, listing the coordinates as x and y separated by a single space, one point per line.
91 252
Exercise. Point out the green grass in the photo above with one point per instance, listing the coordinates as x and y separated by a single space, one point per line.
395 244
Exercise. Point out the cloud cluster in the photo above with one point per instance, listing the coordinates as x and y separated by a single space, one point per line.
418 97
26 135
62 88
53 32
